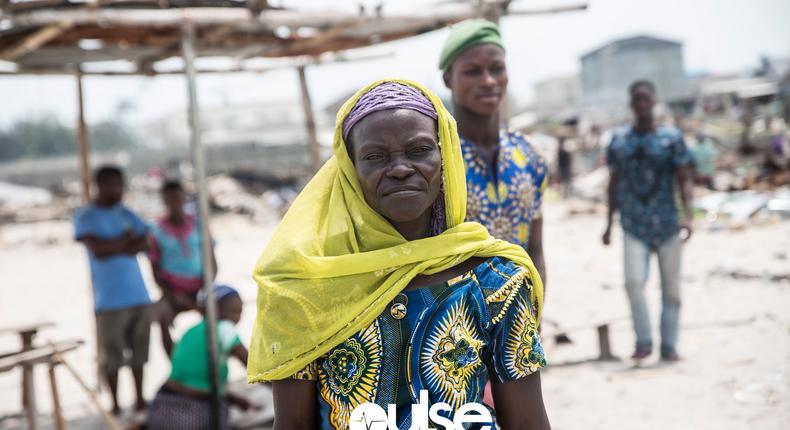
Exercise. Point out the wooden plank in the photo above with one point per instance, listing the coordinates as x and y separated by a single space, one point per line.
38 355
311 43
26 328
211 37
549 10
35 40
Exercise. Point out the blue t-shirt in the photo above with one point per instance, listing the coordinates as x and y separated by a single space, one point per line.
117 281
645 194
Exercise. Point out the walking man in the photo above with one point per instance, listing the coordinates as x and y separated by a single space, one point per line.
647 164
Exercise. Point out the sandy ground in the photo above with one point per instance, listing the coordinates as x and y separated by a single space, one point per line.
735 336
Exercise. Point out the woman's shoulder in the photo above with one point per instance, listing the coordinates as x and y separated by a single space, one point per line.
500 282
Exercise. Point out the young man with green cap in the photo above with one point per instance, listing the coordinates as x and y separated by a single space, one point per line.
506 174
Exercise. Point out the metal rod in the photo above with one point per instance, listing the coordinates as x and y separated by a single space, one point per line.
309 122
199 167
83 143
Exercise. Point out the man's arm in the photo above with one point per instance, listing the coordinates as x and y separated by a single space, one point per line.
535 248
295 404
684 176
519 404
611 204
137 244
105 248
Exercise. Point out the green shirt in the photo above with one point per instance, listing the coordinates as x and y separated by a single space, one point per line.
190 357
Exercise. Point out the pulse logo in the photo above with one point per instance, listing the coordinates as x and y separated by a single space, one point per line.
370 416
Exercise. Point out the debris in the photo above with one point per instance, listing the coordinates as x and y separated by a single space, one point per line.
19 195
780 204
592 186
738 207
744 275
743 204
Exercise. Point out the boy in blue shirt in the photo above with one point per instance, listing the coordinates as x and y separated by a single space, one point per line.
114 235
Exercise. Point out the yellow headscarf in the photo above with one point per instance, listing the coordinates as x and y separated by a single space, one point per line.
334 264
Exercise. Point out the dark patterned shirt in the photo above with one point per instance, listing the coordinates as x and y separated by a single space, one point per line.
452 338
645 195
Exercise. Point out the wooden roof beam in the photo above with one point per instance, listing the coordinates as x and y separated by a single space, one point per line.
146 65
309 43
35 40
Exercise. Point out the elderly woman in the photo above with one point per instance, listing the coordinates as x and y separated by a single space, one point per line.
506 174
374 290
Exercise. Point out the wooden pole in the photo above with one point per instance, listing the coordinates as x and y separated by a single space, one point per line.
83 143
309 122
30 397
28 384
57 411
199 167
111 421
493 12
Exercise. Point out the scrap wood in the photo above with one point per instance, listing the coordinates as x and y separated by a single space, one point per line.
111 421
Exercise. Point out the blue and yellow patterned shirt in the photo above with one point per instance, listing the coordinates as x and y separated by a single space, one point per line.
505 202
645 194
453 337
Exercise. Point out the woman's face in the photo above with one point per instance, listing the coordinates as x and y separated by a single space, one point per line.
478 79
174 201
230 309
397 159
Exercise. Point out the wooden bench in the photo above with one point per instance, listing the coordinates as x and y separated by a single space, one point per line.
50 355
27 333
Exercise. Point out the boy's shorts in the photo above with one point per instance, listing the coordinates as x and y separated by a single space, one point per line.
122 337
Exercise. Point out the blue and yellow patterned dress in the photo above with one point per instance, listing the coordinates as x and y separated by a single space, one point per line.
506 201
453 337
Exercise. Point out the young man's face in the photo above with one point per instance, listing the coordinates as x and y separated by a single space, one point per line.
643 99
478 79
111 189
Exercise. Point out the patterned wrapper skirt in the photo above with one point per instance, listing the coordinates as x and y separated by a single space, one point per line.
171 410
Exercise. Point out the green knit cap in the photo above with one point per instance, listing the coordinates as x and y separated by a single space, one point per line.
466 34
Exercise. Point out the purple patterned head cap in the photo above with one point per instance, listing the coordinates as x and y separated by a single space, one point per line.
388 95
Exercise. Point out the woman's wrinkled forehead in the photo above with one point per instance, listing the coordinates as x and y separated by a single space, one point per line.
388 95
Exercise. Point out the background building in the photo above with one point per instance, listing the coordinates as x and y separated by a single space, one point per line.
608 70
556 93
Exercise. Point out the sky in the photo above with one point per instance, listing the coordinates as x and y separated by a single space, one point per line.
719 36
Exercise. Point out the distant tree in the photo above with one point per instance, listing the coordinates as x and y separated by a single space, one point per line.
46 137
39 137
9 150
111 135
